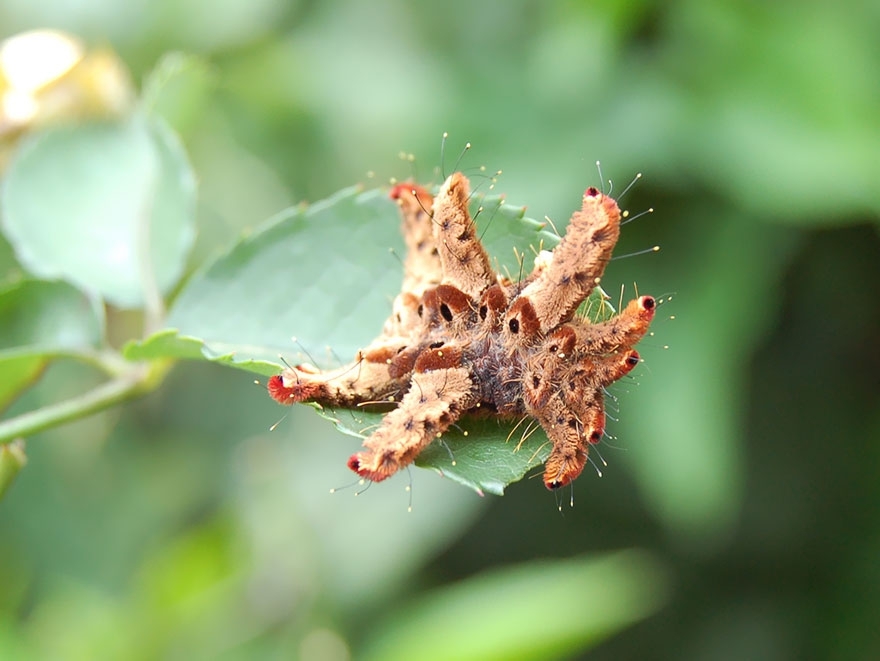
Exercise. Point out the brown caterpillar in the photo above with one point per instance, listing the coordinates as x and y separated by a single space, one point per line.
461 336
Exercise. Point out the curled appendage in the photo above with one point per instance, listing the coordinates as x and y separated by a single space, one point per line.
435 400
574 416
464 260
371 378
572 432
411 197
566 462
287 388
592 373
616 366
571 429
578 261
421 266
623 330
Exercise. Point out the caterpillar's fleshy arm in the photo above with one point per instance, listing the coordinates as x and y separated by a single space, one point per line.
440 391
577 263
465 262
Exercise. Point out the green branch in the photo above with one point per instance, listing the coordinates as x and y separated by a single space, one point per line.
134 383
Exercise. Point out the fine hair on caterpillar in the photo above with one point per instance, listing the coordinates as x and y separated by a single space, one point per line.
463 338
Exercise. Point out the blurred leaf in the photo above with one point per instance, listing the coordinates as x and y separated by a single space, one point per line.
801 152
686 437
46 316
514 614
9 268
79 621
119 219
12 644
287 475
205 26
42 319
18 372
179 576
12 460
177 89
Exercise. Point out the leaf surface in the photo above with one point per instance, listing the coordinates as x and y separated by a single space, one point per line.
514 613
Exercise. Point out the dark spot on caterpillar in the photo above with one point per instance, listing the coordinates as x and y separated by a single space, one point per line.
445 312
513 324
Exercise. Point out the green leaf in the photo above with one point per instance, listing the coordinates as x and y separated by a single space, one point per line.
490 456
483 454
108 206
540 610
178 88
323 273
41 320
169 343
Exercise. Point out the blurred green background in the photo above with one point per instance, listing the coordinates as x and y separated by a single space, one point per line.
747 454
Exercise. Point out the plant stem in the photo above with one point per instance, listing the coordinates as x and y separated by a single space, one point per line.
134 383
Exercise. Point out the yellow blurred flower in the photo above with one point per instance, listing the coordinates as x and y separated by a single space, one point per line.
48 76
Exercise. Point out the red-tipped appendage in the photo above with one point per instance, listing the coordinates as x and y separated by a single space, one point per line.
355 465
408 189
290 390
